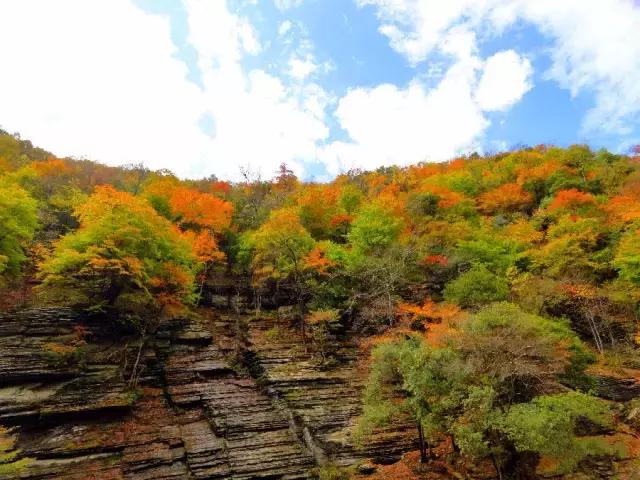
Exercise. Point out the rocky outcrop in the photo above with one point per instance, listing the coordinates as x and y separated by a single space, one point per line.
245 435
617 389
65 394
323 400
199 412
193 415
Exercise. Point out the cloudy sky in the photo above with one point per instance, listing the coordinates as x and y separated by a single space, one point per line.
204 87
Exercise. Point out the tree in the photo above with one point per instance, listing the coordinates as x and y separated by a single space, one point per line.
279 250
494 253
284 183
379 264
569 249
627 258
53 184
124 257
428 312
489 384
202 217
623 208
18 222
408 381
572 199
476 287
509 197
423 204
194 209
373 230
317 207
521 354
547 426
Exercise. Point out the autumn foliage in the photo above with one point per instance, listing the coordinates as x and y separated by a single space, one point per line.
202 209
124 256
508 197
482 290
571 199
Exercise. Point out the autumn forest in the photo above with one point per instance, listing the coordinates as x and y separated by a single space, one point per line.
493 299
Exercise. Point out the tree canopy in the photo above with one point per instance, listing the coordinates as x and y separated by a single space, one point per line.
124 256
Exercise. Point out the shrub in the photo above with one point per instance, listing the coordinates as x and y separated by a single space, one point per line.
476 287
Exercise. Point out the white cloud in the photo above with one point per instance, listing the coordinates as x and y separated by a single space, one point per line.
301 68
389 125
97 79
415 28
506 78
260 121
77 88
287 4
284 27
73 86
595 43
217 34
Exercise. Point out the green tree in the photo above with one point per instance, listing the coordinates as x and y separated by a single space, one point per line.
627 258
18 222
124 257
279 248
411 381
547 426
486 383
373 230
476 287
495 254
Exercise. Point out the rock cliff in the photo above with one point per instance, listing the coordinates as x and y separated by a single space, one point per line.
195 413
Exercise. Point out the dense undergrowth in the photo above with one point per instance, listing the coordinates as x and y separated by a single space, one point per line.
487 290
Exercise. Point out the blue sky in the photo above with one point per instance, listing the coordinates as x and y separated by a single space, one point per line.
205 86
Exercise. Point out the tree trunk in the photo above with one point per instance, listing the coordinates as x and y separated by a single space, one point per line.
496 465
455 446
424 457
595 332
135 374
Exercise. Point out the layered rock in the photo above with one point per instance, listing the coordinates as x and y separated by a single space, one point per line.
323 399
246 434
193 417
65 393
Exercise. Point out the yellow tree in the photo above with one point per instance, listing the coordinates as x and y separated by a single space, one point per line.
124 257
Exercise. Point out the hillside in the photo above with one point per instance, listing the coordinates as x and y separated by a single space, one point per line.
476 318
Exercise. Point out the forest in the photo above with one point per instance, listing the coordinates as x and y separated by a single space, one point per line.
488 294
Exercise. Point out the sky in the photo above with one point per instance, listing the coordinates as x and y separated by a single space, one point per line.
207 87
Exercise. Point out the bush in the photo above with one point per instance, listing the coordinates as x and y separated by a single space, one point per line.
476 287
323 325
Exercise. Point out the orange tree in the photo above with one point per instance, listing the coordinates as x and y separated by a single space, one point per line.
202 217
509 197
123 258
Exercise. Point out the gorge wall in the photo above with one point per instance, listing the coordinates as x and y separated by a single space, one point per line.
196 412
